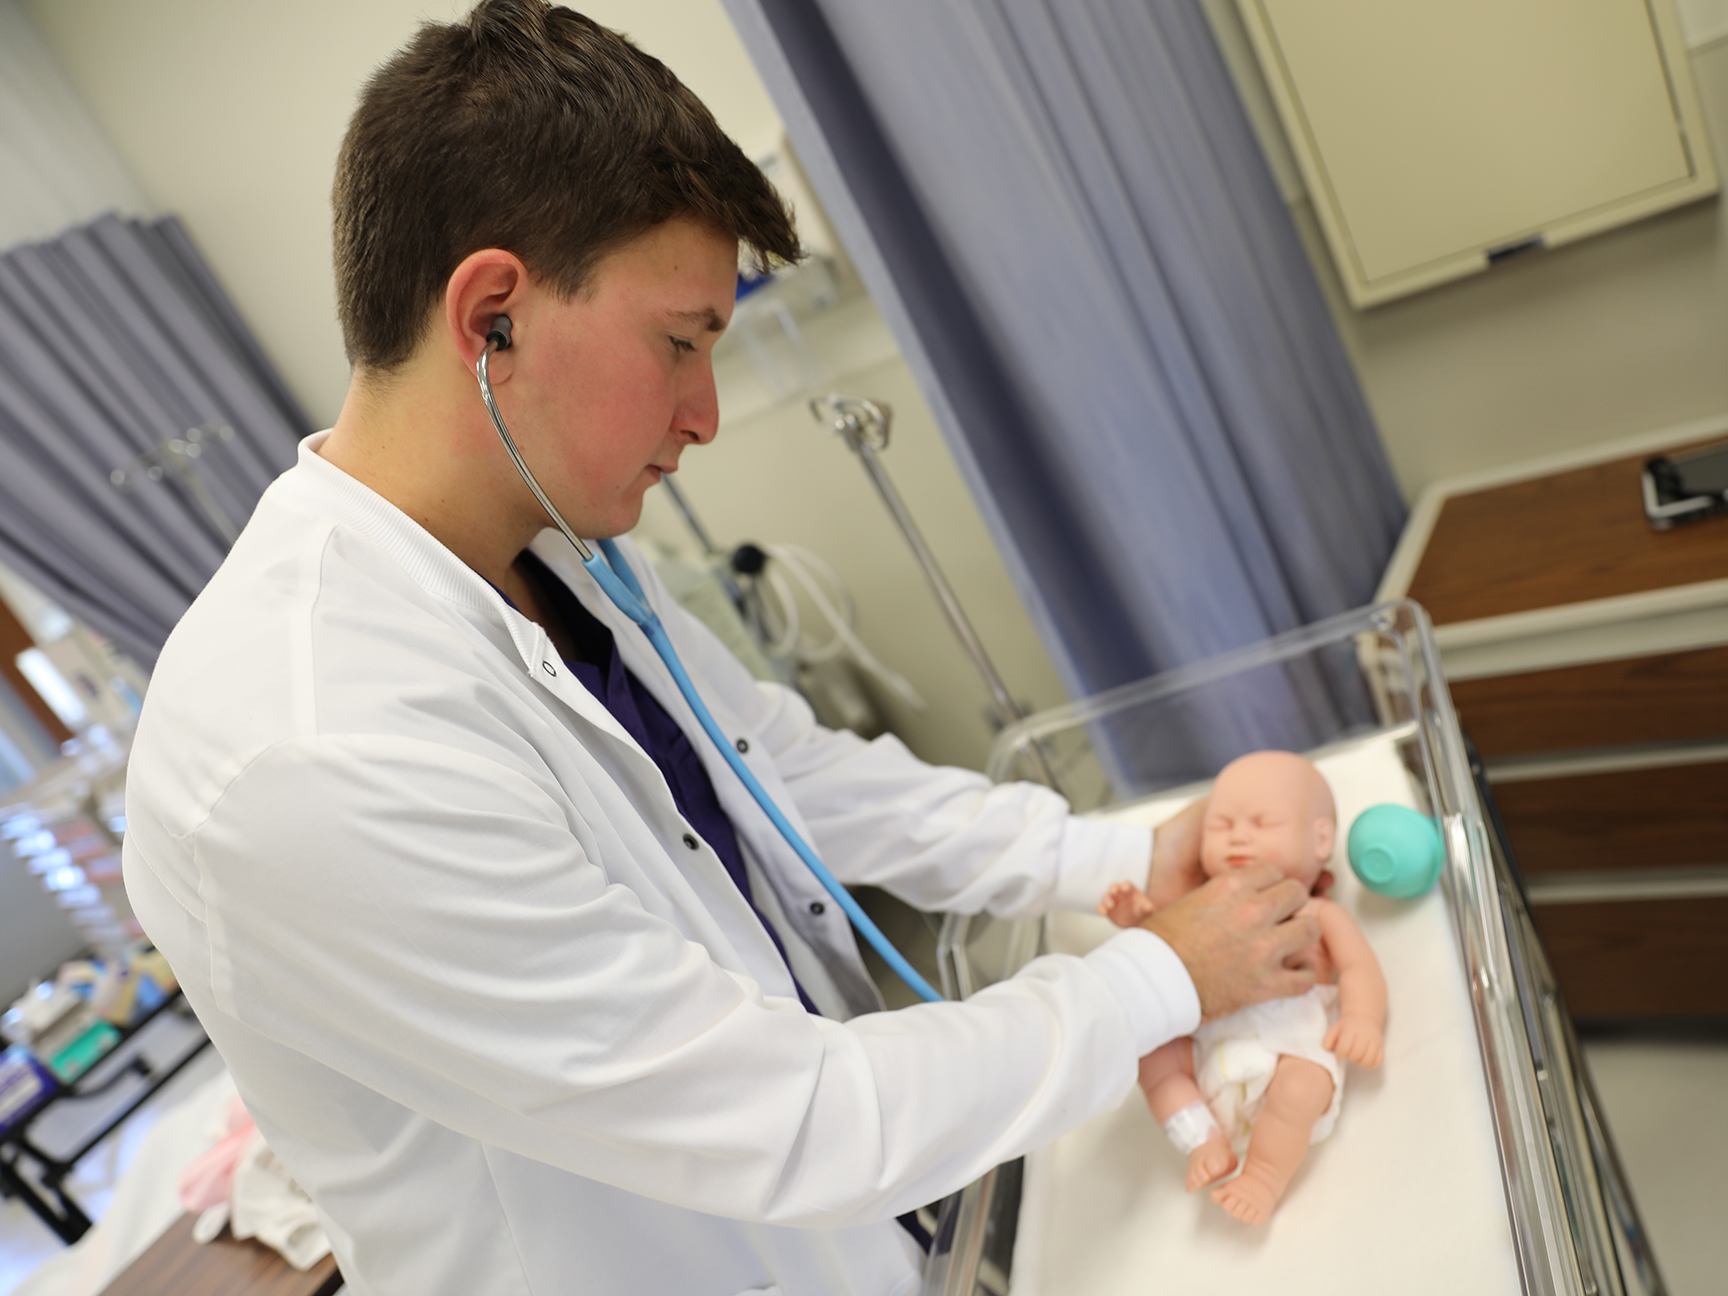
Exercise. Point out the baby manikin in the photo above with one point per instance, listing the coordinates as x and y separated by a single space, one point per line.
1266 1081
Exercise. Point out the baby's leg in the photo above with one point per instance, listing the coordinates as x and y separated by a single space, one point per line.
1298 1096
1167 1077
1125 905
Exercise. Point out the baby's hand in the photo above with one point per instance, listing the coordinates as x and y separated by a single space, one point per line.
1356 1039
1125 904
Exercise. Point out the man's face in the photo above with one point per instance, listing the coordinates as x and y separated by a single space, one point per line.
1262 811
610 386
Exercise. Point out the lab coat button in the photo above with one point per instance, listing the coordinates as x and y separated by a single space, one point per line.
743 745
818 908
691 842
549 668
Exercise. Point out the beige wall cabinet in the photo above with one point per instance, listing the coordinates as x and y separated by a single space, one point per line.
1437 139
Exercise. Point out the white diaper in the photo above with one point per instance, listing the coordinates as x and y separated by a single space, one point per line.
1235 1056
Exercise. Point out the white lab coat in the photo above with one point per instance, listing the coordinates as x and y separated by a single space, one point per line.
512 1033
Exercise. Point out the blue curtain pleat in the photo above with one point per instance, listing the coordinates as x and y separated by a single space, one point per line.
114 338
1062 209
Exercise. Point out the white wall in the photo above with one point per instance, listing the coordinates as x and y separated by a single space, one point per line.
1621 333
1704 20
824 502
59 168
230 115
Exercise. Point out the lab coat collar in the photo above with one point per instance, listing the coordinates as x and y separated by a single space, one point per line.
318 486
627 637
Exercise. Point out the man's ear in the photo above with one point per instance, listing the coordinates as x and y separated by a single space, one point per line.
488 283
1325 839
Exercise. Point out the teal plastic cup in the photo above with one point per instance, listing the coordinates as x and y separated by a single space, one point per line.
1395 851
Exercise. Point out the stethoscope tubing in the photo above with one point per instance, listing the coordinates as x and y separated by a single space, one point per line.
612 573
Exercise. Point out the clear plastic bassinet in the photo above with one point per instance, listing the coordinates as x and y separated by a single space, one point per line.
1364 694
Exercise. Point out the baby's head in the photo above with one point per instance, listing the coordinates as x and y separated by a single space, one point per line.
1269 807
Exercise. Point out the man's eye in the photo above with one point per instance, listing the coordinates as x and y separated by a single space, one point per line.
682 344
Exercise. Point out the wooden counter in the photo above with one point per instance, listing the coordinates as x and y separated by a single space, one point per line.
1587 655
175 1265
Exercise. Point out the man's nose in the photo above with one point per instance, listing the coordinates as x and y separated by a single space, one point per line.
698 414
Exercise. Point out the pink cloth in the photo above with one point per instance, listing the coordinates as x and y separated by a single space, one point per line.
205 1182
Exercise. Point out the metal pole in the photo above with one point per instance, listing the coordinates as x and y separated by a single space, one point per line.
745 597
863 425
179 455
709 548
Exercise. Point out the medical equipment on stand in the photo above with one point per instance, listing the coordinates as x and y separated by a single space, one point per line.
614 576
763 583
703 590
722 565
793 570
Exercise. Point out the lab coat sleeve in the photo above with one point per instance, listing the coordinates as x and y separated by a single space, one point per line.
940 838
422 919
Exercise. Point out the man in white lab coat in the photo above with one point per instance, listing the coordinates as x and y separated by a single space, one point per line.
515 978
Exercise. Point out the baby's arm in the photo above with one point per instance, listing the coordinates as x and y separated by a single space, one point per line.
1175 870
1359 1033
1125 905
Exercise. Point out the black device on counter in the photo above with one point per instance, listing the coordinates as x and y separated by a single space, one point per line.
1686 487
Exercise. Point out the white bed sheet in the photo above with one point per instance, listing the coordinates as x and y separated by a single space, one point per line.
1406 1195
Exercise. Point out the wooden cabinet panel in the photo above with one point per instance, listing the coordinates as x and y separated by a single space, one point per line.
1630 819
1675 697
1640 958
1569 537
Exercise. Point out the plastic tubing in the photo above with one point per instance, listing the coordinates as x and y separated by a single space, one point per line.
609 568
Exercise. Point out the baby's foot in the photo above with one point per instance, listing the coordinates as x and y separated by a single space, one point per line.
1249 1196
1125 905
1210 1162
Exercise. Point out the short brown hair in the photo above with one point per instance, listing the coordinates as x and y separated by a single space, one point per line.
530 128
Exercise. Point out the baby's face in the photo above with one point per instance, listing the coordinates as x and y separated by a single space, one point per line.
1262 811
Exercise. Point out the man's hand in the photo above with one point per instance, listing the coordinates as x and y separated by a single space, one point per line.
1238 936
1175 869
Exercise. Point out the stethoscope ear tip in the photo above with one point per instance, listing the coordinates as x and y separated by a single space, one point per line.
499 334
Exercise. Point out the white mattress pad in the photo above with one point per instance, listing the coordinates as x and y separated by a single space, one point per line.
1406 1195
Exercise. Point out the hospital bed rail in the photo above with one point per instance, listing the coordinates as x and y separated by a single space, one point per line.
1574 1225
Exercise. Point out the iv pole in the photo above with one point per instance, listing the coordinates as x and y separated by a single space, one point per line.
863 425
179 456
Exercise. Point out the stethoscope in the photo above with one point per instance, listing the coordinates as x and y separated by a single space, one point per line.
614 576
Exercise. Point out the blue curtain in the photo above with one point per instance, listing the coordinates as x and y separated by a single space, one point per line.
114 338
1061 208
